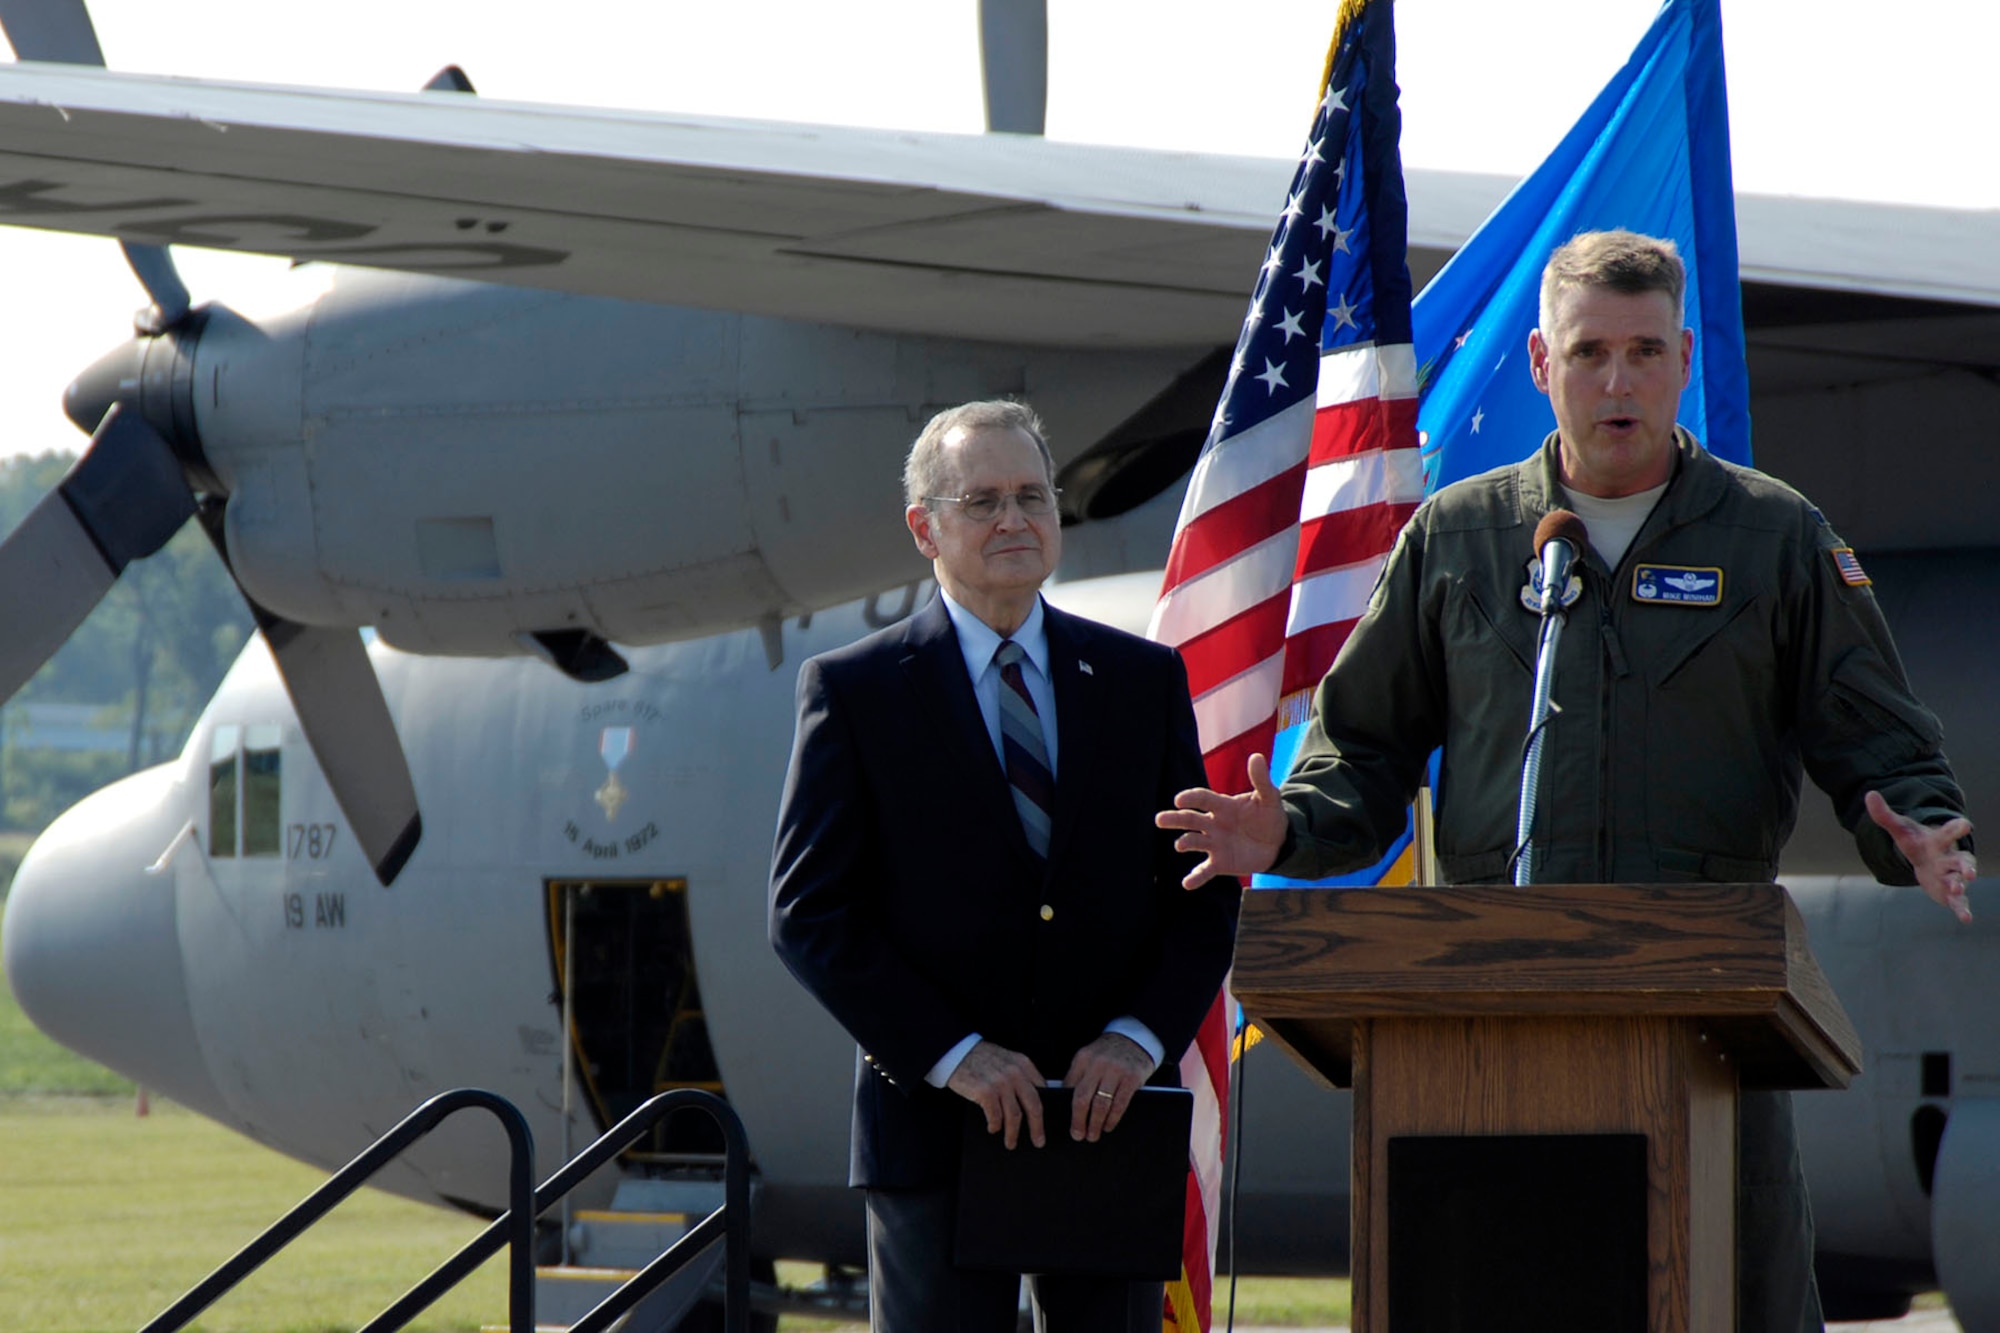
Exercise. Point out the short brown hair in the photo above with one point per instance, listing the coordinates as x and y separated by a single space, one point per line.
1623 261
924 471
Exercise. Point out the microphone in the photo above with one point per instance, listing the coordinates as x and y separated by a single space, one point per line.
1560 541
1560 538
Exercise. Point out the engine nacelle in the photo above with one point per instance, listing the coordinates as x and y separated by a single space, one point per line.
460 465
1965 1214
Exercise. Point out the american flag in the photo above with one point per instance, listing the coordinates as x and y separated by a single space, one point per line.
1310 469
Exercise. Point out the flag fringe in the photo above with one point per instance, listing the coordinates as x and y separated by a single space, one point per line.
1295 708
1344 19
1180 1295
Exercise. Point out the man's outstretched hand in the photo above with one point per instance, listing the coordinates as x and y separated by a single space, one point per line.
1943 867
1237 835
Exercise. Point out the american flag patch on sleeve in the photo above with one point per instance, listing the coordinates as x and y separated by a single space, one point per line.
1850 569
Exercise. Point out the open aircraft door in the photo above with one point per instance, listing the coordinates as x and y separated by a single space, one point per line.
622 956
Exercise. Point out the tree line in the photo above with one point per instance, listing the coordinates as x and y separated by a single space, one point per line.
146 660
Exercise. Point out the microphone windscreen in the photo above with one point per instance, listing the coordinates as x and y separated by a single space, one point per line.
1564 524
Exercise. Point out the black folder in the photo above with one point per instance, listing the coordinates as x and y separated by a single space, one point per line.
1112 1208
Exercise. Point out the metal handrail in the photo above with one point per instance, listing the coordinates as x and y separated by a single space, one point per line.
520 1165
733 1227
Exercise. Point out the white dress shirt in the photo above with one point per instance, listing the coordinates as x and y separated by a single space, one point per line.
979 641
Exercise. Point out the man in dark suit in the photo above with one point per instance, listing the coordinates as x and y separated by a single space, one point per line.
968 877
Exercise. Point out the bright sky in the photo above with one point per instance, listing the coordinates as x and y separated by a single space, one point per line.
1834 98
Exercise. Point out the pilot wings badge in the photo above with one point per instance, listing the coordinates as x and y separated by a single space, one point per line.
614 744
1531 591
1677 585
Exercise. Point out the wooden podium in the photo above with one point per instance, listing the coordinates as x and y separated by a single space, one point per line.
1545 1085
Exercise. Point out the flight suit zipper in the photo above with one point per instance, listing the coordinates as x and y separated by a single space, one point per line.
1659 522
1611 668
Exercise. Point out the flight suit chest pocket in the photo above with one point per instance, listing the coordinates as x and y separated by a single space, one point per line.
1702 647
1715 717
1489 670
1485 632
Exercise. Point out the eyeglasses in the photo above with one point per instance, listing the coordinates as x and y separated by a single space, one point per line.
985 506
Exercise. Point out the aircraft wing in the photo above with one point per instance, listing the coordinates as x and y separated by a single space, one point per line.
981 236
1004 237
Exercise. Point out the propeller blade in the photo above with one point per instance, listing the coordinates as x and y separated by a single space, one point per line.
51 576
58 31
1014 60
154 264
346 721
122 501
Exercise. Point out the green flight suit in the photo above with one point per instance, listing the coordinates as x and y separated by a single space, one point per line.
1735 646
1684 724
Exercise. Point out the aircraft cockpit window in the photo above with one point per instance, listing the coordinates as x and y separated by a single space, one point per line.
222 791
263 826
245 812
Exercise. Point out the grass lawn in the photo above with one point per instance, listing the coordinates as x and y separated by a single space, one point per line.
1283 1302
1261 1302
106 1218
32 1064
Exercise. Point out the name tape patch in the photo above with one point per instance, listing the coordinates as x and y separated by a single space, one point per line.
1677 585
1850 569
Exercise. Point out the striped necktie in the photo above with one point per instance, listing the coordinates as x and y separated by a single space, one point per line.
1026 754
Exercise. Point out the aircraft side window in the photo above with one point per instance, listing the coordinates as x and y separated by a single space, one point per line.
263 820
222 770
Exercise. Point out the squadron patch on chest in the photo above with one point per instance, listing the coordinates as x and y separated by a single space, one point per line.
1531 591
1848 567
1677 585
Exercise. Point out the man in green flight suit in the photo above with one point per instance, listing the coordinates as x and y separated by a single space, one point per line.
1726 640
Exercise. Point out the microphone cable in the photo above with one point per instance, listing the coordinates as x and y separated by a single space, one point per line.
1527 743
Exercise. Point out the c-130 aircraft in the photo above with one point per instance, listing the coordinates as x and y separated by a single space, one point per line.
208 928
735 328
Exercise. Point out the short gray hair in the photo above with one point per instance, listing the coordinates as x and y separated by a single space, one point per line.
1623 261
924 471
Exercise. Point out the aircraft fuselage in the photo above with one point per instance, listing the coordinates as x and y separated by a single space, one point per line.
207 928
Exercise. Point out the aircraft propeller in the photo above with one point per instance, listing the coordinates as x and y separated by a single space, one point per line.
144 472
1014 63
60 33
139 479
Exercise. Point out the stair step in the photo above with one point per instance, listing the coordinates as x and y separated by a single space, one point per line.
565 1294
620 1215
653 1195
602 1239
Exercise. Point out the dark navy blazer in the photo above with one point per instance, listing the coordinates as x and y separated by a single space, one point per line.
905 897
